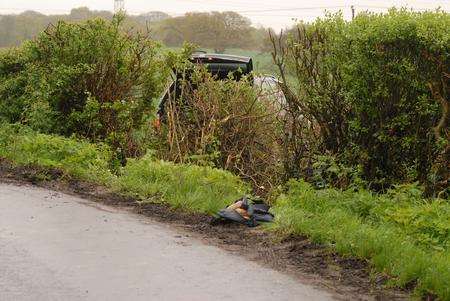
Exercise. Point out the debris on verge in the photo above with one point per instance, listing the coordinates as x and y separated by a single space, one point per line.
246 212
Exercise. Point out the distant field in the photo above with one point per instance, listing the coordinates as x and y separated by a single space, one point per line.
262 61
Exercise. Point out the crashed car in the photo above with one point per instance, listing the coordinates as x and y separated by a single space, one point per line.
223 66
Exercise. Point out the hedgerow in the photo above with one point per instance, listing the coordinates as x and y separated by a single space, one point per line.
91 79
366 106
225 124
372 93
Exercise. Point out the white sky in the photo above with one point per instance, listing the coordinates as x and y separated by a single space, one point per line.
274 13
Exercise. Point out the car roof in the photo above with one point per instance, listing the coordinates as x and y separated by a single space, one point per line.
220 57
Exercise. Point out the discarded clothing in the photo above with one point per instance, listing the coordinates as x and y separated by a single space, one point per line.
246 212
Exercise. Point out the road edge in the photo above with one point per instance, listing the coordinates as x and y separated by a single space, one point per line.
297 256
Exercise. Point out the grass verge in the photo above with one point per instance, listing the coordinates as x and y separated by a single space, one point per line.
75 158
190 187
399 233
193 188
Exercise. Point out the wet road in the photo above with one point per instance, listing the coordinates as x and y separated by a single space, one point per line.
59 247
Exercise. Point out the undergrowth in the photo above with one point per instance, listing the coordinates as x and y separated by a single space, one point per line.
75 158
399 233
193 188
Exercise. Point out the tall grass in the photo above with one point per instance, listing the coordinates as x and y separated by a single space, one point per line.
76 158
190 187
193 188
398 233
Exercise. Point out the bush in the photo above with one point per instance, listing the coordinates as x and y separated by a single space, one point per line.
224 123
400 233
373 91
12 85
90 79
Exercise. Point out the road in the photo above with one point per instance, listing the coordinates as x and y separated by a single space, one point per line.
59 247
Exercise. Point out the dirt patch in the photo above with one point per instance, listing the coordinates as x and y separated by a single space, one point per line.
347 278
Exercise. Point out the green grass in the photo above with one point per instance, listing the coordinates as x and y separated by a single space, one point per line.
262 62
76 158
399 233
190 187
193 188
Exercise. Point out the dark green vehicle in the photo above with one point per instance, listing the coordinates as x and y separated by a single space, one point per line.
219 65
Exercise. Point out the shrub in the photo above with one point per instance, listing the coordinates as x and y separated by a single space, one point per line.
90 79
225 123
373 91
12 85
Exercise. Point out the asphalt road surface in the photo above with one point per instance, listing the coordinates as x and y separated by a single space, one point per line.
59 247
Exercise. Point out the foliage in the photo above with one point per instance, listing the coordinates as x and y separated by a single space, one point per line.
90 79
400 233
217 30
327 172
17 28
190 187
76 158
374 92
366 106
224 123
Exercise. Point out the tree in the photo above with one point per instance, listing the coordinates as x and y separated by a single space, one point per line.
153 16
216 30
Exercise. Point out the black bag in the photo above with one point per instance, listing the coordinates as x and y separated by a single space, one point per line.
246 212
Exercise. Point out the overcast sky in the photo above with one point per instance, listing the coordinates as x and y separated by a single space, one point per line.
274 13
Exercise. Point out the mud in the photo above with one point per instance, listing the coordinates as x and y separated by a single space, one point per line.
347 278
